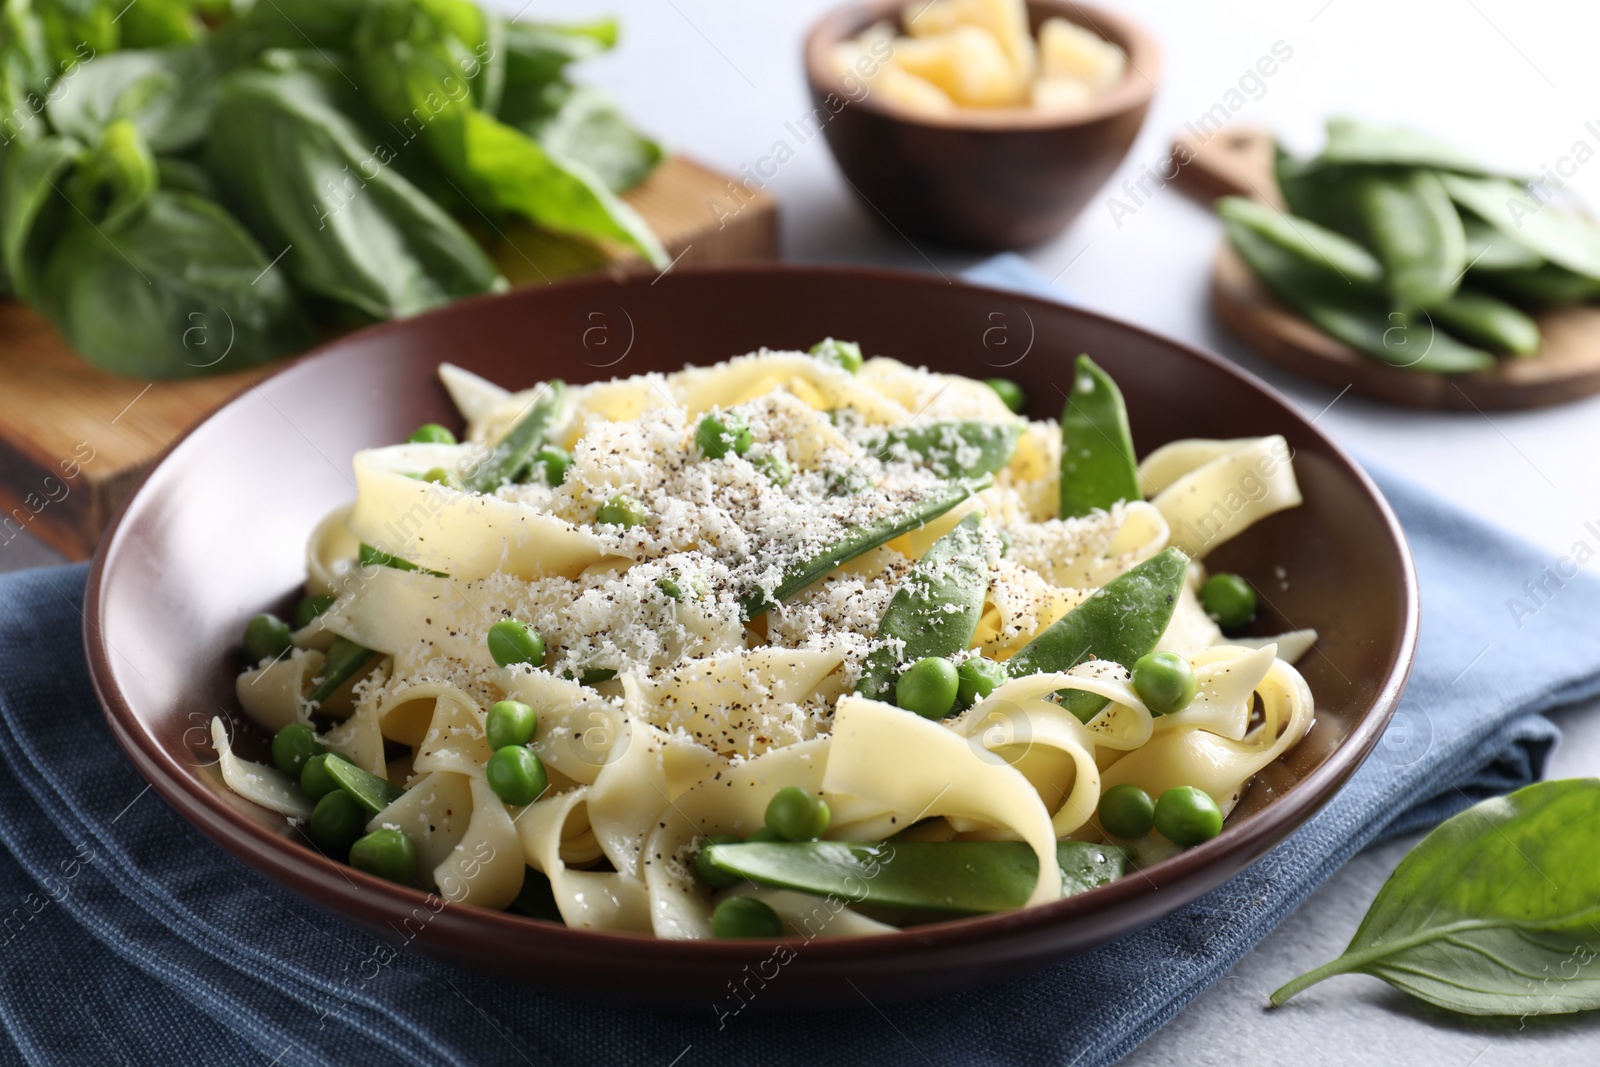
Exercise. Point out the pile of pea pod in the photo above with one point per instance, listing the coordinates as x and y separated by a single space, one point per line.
1413 253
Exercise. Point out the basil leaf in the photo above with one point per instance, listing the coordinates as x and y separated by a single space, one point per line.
427 58
581 124
30 209
309 184
114 178
1494 912
539 53
77 30
168 94
178 290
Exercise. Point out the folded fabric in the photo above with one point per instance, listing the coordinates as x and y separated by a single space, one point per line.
129 937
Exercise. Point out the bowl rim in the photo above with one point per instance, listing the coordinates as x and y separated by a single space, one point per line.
1133 93
343 889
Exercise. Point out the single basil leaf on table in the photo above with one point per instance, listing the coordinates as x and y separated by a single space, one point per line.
1496 912
415 57
177 290
302 176
32 213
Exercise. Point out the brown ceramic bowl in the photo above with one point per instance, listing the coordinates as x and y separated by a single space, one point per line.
217 532
982 177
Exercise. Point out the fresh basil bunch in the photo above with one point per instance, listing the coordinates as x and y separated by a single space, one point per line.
185 189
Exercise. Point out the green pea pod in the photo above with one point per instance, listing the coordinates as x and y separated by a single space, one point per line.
1097 464
1490 250
1362 320
1317 192
950 449
514 453
1121 622
1544 285
372 557
1305 240
1351 141
367 789
860 539
959 877
1563 239
935 612
344 660
1409 218
1486 320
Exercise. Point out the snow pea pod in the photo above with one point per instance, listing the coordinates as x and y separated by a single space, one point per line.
935 612
1411 222
1361 319
950 449
344 660
365 788
1352 141
1563 239
961 877
1097 465
373 557
1304 240
1491 250
1544 285
514 454
1489 321
861 538
1121 622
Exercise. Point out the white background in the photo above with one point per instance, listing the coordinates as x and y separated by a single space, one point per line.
1514 82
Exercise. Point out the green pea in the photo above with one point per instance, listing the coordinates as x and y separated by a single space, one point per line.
719 434
845 353
1186 815
1010 393
1126 811
510 722
516 775
764 835
745 917
387 854
552 463
776 468
621 510
266 637
431 433
795 815
1229 600
315 781
337 822
441 476
928 687
513 641
1164 681
714 877
309 608
976 678
293 745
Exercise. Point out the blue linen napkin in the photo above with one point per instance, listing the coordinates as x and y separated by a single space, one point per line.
128 936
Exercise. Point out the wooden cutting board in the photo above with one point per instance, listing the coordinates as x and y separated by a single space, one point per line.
74 440
1237 161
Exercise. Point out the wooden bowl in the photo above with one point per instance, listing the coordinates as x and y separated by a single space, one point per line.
981 178
218 530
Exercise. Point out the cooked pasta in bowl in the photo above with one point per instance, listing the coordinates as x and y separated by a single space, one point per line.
687 654
601 667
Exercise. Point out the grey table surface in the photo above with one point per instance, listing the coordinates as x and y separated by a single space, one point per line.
1512 81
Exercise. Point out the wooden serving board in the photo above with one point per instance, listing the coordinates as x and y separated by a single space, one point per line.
1237 161
74 440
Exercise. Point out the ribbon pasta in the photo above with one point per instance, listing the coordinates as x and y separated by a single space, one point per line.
664 715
